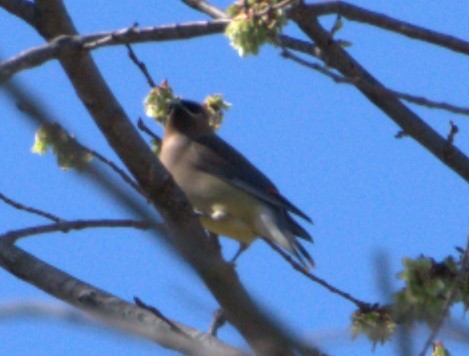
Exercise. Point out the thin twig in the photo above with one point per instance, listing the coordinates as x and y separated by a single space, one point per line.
116 169
300 46
359 303
450 139
141 125
207 8
141 66
65 226
219 319
449 299
419 100
29 209
159 315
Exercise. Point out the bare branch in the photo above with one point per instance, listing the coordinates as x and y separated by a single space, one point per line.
355 13
141 125
65 226
359 303
338 58
450 139
381 90
106 307
207 8
60 45
29 209
116 169
140 65
300 46
218 321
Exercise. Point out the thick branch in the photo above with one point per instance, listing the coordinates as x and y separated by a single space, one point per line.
338 58
355 13
20 8
106 307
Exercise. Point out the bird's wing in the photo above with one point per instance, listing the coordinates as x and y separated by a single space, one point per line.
217 157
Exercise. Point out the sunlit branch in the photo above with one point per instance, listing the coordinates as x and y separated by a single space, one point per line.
105 307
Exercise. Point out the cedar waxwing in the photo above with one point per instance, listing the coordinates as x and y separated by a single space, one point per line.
233 198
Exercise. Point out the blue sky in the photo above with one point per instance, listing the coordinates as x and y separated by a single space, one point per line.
328 149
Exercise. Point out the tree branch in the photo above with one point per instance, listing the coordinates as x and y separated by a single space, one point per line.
106 307
36 309
298 267
206 8
20 8
65 226
381 90
63 43
310 49
338 58
29 209
120 172
37 113
355 13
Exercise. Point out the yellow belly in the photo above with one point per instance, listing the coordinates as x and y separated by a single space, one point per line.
229 227
227 210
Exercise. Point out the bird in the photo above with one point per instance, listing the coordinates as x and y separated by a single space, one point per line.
229 194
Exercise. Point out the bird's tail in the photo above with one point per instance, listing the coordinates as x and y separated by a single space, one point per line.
278 228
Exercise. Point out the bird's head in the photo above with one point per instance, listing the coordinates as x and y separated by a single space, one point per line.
189 118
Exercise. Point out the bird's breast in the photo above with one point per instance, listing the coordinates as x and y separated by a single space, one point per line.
226 210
